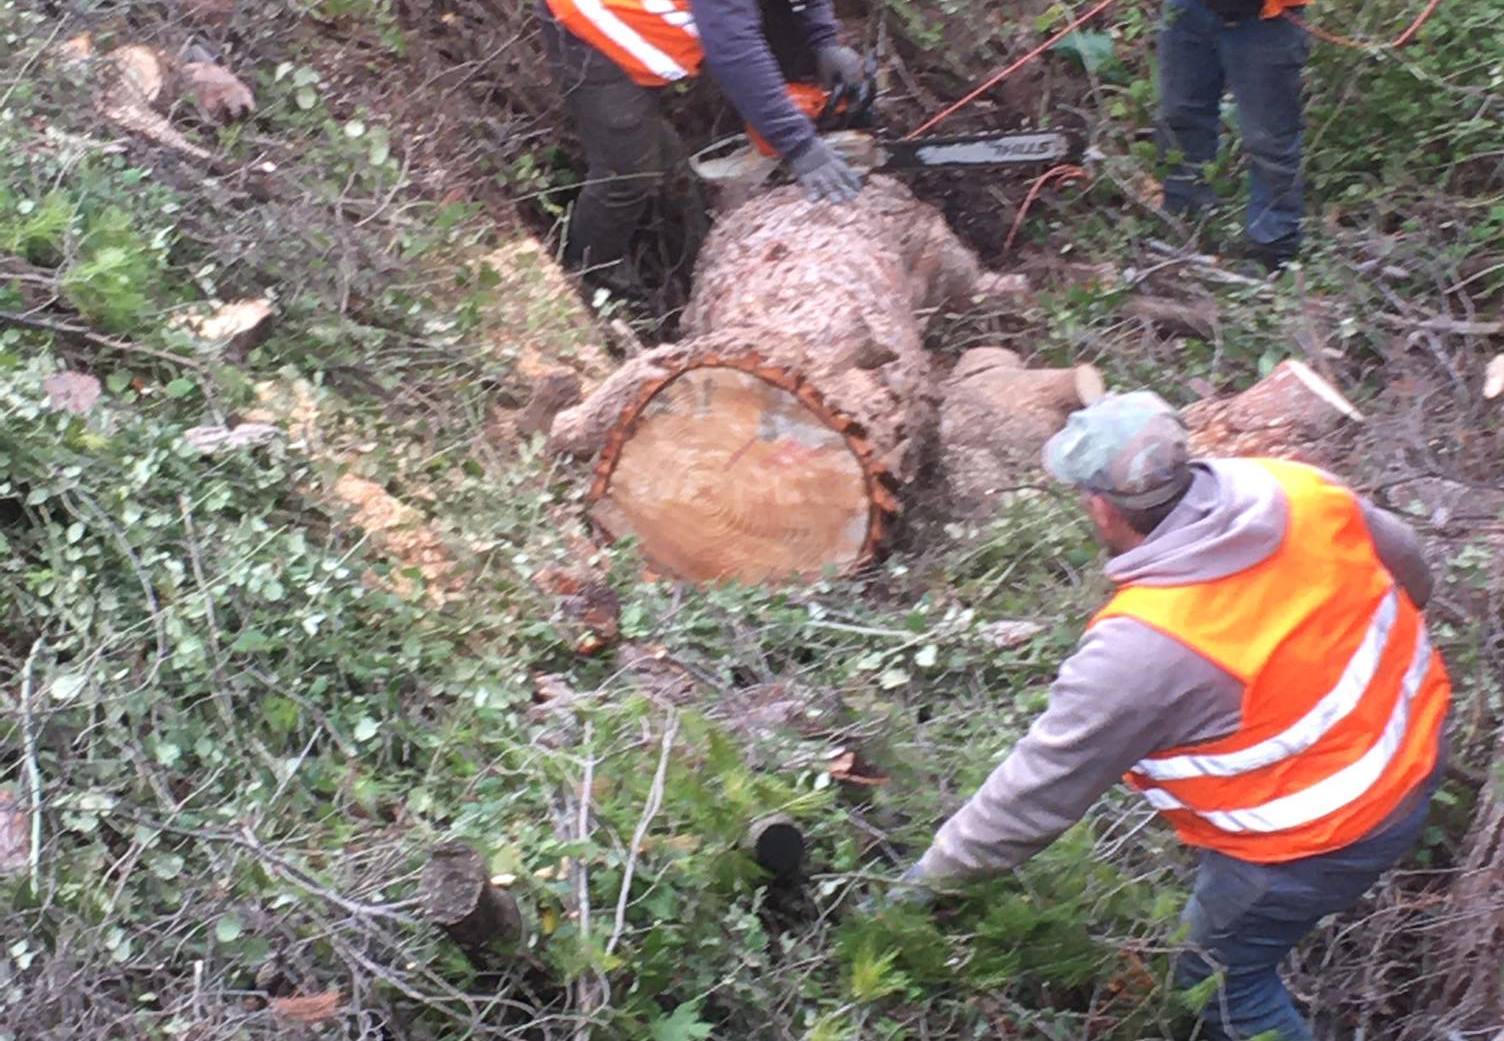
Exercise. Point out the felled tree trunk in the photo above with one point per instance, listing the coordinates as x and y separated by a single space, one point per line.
772 441
996 417
1290 414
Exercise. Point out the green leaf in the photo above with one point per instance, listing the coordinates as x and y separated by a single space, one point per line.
366 728
684 1024
228 928
381 146
1091 47
179 388
305 77
68 685
306 98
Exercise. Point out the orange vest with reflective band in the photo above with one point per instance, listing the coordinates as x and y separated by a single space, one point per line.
1344 698
654 41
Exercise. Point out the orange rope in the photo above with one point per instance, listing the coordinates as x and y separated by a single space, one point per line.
1402 40
1065 172
1072 26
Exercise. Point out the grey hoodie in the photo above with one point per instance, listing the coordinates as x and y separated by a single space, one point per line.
1129 691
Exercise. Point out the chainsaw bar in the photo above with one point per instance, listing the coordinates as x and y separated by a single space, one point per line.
931 153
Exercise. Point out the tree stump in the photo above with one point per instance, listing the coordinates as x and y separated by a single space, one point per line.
772 441
996 417
459 898
1290 414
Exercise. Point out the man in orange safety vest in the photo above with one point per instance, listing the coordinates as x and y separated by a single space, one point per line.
611 59
1263 676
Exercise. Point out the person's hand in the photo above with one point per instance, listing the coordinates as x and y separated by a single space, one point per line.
839 66
824 175
908 890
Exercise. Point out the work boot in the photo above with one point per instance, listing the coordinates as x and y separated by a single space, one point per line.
1271 256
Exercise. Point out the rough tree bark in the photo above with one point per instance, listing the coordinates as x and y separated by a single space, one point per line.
996 417
1290 414
771 441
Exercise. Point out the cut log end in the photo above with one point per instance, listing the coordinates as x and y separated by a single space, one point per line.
459 898
729 470
777 844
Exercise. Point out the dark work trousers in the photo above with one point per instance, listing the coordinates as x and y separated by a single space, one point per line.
1260 61
629 146
1244 918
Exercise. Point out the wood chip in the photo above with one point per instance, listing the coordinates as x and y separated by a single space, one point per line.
309 1008
1493 378
852 769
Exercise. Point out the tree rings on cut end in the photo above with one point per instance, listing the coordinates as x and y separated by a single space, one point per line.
729 470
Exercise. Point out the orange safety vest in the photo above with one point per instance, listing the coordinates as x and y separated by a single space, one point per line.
1344 698
654 41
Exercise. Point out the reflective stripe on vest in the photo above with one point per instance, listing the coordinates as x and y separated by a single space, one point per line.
1343 699
655 42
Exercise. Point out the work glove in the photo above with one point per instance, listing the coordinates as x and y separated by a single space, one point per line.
839 66
824 175
908 891
1235 10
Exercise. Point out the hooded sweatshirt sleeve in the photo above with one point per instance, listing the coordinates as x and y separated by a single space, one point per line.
737 55
1127 691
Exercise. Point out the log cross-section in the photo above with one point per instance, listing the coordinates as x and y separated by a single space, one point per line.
731 468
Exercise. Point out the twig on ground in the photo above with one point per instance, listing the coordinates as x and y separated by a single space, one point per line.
90 338
649 810
33 768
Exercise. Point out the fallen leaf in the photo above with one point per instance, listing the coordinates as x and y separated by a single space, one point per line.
309 1008
220 95
15 845
1493 378
73 392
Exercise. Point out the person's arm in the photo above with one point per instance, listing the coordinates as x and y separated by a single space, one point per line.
1128 691
737 55
1399 550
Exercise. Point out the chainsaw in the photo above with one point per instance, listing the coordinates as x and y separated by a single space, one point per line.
844 117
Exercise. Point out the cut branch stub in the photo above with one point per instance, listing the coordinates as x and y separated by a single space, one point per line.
458 897
731 469
777 844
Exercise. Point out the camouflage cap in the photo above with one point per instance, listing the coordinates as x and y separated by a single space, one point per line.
1130 448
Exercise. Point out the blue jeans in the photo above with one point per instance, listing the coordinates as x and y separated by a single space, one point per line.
1260 61
1244 918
